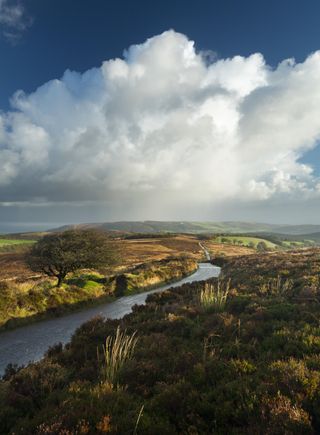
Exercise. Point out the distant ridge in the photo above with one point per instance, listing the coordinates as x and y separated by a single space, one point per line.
195 227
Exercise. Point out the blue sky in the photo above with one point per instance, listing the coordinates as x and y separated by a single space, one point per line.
44 38
81 34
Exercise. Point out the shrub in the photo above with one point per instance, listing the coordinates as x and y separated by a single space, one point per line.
282 416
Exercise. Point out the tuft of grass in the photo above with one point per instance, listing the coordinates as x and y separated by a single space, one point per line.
214 297
276 286
138 420
117 350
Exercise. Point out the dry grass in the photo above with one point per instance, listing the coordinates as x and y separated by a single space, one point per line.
214 296
142 250
220 249
133 253
12 266
116 352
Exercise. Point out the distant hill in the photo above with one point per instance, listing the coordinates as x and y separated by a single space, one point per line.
311 236
173 227
296 229
233 227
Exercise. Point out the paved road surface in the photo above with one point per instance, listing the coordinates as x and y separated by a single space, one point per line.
29 343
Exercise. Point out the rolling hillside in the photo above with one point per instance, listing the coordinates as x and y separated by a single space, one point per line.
194 227
174 227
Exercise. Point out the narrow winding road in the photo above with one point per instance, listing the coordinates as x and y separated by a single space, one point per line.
29 343
206 252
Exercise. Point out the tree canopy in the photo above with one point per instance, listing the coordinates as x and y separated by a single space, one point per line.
60 253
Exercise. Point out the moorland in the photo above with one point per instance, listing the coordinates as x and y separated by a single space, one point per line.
145 261
244 362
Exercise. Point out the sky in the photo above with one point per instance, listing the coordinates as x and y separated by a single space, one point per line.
171 110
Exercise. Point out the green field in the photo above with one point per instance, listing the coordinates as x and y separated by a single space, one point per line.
291 244
10 242
245 241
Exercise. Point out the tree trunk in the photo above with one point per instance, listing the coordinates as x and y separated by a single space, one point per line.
60 280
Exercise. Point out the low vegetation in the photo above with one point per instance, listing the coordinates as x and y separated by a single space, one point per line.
252 242
251 367
214 296
116 352
144 263
22 302
263 242
14 245
9 242
226 249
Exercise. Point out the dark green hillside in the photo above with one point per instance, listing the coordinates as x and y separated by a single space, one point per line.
175 227
312 236
247 365
195 227
296 229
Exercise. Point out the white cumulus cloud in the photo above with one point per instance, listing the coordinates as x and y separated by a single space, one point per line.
163 126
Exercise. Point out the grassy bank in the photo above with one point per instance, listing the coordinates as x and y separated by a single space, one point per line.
21 303
247 365
151 275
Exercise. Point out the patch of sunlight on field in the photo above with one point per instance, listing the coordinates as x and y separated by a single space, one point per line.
245 241
9 242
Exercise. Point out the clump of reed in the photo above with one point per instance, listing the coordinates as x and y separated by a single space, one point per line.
214 296
117 351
